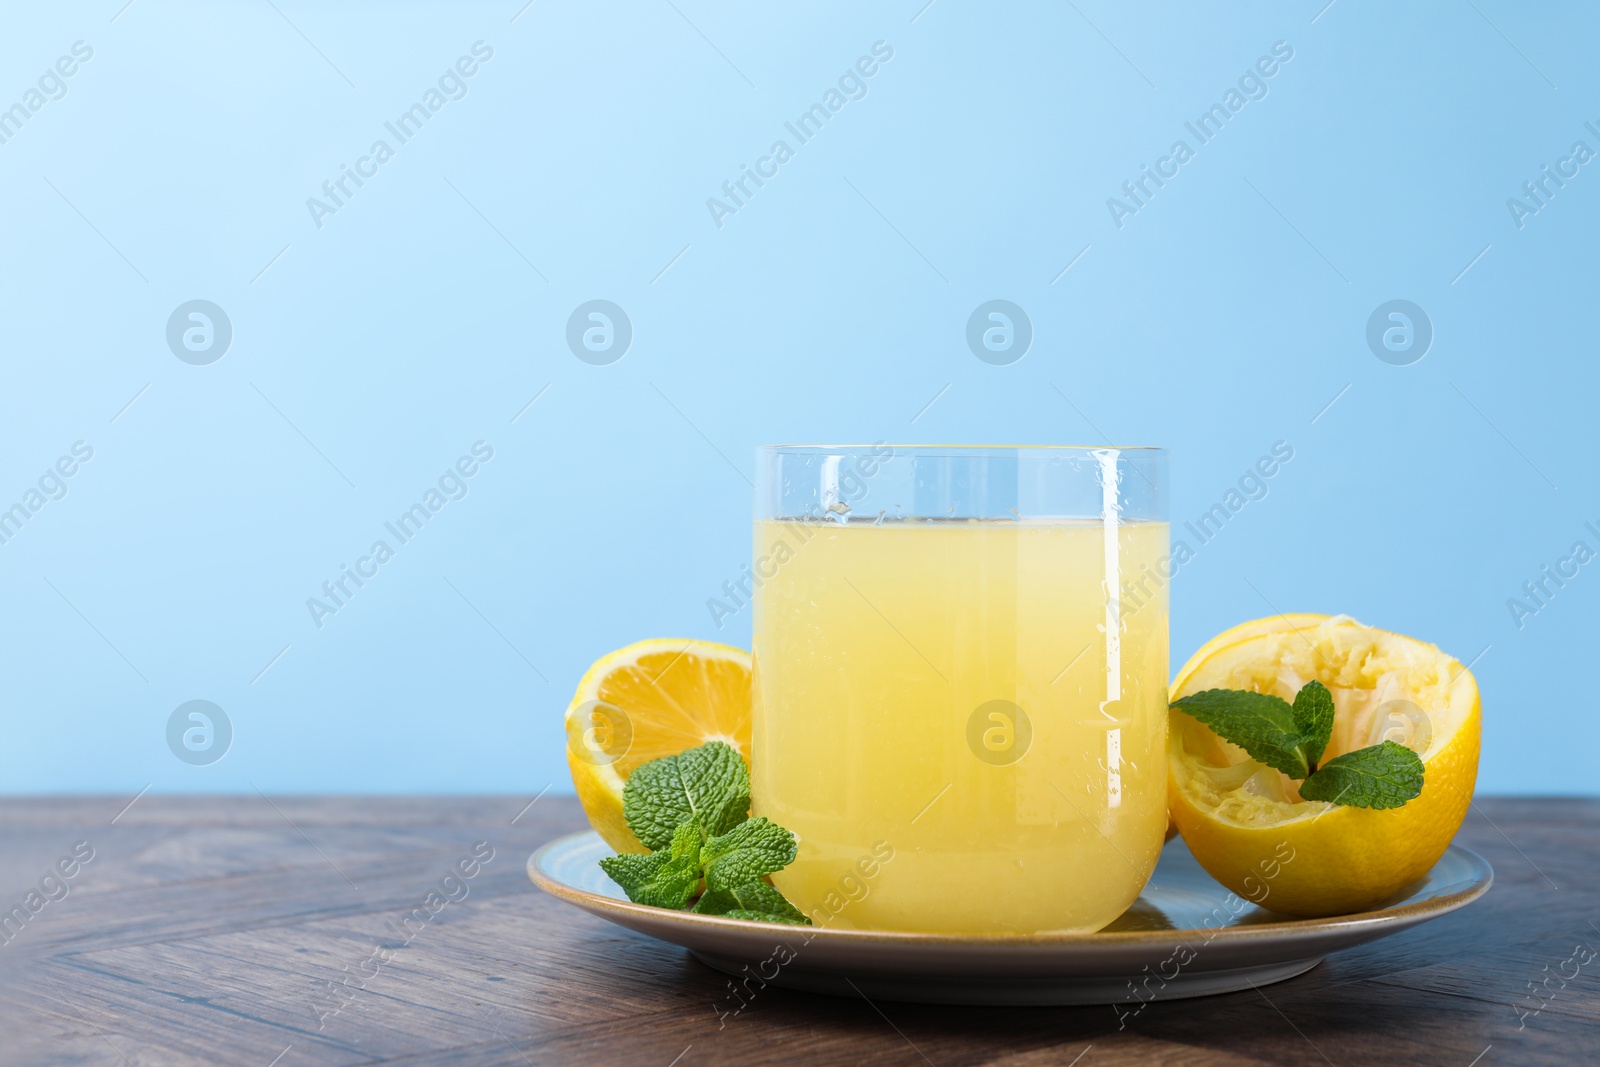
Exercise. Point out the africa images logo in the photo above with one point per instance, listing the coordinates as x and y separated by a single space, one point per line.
199 732
999 332
599 332
452 85
51 86
199 332
1251 86
1399 332
852 85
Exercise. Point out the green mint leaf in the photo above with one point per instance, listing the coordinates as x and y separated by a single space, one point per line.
756 900
753 849
1313 717
674 887
657 880
1383 776
691 811
632 871
687 839
667 879
1261 724
710 782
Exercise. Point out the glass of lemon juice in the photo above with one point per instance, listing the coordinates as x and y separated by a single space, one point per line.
960 699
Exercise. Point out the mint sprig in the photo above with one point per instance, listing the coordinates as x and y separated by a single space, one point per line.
1382 776
1293 737
666 879
755 900
1313 717
710 782
747 853
1261 724
693 811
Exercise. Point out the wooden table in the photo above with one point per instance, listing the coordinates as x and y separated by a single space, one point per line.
254 931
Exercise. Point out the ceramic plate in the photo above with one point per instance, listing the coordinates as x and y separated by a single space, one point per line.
1186 936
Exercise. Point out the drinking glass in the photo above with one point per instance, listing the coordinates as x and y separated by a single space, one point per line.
960 702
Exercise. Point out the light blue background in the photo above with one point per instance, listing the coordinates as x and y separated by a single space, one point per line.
1223 317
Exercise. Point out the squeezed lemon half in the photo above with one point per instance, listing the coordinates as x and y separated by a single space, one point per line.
1246 824
651 699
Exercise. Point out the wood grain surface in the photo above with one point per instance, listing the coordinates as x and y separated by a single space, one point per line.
273 932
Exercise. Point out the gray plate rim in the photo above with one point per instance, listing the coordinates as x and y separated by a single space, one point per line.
1345 929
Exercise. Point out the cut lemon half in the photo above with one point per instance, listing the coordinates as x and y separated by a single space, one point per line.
1272 624
652 699
1246 824
1253 628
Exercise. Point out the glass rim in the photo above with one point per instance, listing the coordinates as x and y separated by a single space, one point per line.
826 448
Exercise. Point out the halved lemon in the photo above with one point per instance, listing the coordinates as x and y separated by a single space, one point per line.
654 698
1274 623
1246 824
1253 628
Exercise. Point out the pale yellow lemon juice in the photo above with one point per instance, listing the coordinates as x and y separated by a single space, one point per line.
963 720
